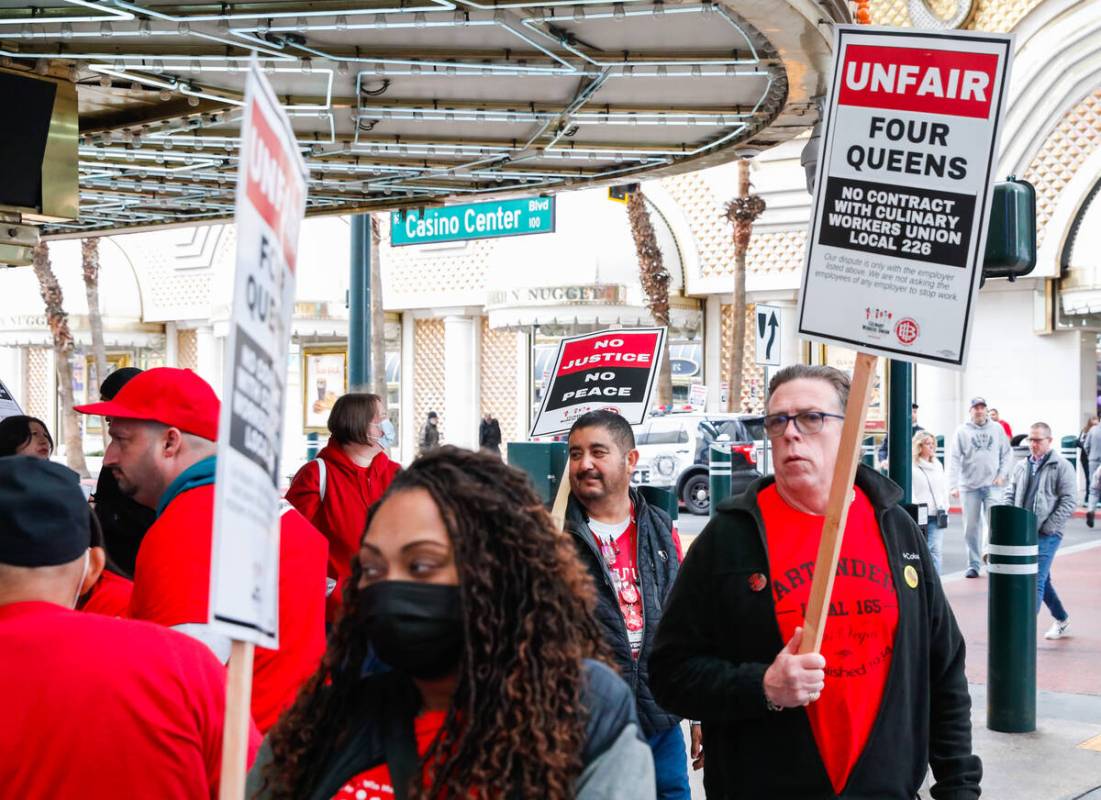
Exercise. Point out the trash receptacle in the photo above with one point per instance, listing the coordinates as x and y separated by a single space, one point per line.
544 462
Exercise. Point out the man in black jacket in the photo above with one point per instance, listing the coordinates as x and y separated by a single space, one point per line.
887 696
632 553
124 521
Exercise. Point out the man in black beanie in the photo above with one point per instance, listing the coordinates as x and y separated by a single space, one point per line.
69 677
124 521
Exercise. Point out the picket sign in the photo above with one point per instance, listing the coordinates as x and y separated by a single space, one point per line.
837 507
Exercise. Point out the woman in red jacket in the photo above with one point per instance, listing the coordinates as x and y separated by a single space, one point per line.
350 473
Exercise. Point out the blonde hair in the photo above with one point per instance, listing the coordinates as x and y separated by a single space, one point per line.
920 437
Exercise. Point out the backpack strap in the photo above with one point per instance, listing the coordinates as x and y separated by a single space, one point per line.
400 746
322 477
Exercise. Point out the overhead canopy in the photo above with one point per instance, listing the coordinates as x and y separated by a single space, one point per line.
417 102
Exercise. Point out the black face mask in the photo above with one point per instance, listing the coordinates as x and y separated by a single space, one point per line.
416 628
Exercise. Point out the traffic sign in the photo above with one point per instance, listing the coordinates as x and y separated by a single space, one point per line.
903 194
612 370
768 335
490 220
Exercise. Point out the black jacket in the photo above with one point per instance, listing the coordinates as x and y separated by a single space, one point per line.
123 520
718 637
390 696
657 569
489 433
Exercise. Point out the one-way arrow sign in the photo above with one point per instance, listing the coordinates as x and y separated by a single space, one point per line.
768 336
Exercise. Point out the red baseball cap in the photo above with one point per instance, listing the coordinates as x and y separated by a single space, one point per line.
175 397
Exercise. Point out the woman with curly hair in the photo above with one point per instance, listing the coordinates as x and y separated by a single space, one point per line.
465 588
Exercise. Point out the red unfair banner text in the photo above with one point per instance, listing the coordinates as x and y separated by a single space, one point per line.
924 81
613 350
272 187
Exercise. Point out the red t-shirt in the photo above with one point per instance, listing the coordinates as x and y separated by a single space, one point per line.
110 596
374 783
618 543
172 585
860 632
103 709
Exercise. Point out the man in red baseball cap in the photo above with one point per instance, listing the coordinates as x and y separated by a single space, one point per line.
164 425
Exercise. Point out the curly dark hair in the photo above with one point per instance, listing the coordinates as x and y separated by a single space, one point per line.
516 726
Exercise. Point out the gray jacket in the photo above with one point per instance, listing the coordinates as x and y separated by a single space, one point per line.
1055 493
979 455
1091 443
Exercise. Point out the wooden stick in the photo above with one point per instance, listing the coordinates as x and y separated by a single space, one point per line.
837 508
561 499
235 734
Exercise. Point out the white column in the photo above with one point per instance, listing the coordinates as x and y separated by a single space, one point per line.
791 351
523 386
407 424
171 344
938 393
462 381
208 358
712 351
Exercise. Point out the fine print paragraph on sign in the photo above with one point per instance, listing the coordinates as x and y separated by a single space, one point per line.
903 192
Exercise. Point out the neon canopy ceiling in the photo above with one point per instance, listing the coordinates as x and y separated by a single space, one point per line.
417 102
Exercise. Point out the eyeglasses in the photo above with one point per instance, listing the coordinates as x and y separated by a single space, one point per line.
806 422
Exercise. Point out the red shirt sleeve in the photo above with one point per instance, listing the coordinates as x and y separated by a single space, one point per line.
305 491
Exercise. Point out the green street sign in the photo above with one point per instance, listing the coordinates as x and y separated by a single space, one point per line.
472 221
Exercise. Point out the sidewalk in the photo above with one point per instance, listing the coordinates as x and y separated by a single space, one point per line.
1061 760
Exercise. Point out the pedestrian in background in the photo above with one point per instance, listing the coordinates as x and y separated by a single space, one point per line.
1083 456
1044 483
884 700
123 519
92 707
430 434
632 554
489 434
164 428
21 435
348 476
994 415
929 485
465 588
884 447
978 468
1092 447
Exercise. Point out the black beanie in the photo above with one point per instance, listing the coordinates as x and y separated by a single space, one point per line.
44 513
116 380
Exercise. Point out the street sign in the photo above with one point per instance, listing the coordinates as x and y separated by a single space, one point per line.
608 369
895 251
490 220
768 335
271 201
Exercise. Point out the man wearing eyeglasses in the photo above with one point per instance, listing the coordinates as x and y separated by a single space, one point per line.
1044 483
887 696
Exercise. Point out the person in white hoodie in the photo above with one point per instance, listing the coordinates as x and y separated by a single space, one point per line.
978 468
929 485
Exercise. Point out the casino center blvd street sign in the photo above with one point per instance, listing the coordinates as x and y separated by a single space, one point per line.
458 223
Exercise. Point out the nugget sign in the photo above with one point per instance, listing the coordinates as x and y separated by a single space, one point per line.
902 198
271 200
611 369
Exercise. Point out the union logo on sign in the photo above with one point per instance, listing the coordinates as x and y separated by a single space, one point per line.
907 331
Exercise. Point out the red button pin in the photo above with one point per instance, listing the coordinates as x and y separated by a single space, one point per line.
757 582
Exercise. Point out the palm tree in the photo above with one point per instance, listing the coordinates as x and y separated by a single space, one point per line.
655 283
58 322
742 211
89 259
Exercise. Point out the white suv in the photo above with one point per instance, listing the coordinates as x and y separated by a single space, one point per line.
674 453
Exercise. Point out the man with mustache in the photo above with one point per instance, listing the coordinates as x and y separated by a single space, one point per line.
632 553
885 699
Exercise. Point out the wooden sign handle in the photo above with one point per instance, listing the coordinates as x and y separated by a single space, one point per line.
561 499
235 734
837 508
